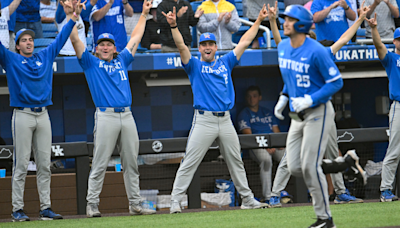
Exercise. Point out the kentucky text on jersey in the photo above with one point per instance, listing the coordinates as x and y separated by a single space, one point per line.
110 68
208 69
294 65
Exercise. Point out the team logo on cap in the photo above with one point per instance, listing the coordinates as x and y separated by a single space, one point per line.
207 36
106 35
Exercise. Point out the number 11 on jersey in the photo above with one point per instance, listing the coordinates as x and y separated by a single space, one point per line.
122 74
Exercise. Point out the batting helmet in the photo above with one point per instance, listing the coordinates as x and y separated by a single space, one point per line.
396 34
302 14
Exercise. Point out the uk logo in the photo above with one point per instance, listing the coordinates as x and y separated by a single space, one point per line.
207 36
157 146
262 142
38 63
57 150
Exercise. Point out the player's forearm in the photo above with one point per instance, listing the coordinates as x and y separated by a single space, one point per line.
178 39
327 91
350 14
249 36
346 37
99 14
74 37
321 15
128 10
376 38
275 31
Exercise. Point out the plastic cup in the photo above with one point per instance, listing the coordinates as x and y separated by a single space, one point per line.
2 173
118 167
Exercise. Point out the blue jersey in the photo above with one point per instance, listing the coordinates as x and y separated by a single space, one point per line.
308 68
259 122
391 62
334 25
112 22
108 81
13 17
30 80
212 82
28 11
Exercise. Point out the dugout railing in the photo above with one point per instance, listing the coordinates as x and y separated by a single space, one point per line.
81 151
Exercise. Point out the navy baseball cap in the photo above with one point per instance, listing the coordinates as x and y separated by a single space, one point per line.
207 37
396 34
106 36
22 32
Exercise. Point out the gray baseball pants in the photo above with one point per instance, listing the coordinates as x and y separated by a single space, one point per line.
205 129
31 132
114 129
392 157
306 144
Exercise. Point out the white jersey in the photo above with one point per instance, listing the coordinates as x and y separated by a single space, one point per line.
68 49
4 34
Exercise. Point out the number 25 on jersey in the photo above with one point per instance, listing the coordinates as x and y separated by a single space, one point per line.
303 80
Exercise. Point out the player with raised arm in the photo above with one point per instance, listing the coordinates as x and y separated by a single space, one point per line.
282 175
390 62
107 76
213 96
30 81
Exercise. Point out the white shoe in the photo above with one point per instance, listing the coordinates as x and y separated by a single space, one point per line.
92 210
175 207
251 203
137 209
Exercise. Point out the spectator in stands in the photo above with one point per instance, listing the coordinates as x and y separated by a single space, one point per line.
397 19
221 18
108 17
185 18
253 8
47 11
4 18
255 119
11 24
385 10
28 17
331 18
130 22
297 2
151 38
61 20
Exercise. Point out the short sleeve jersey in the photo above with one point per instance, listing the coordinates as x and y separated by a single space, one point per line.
306 69
212 82
391 63
259 122
4 33
108 81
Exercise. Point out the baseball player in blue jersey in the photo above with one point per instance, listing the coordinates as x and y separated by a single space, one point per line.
256 119
30 79
391 63
310 79
107 76
213 96
282 175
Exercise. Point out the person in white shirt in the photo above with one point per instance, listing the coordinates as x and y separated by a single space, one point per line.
4 18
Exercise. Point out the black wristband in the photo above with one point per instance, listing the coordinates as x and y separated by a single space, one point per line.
125 2
174 27
348 7
284 94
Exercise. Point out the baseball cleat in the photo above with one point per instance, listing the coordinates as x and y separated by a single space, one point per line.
48 214
251 203
175 207
19 216
388 196
137 209
275 202
355 169
92 210
323 223
346 198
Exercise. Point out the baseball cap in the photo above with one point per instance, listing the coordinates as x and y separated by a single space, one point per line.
22 32
207 37
396 34
106 36
156 3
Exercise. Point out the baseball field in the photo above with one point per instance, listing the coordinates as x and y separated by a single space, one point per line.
371 214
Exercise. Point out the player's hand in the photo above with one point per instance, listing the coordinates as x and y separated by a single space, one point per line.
301 103
271 151
272 11
263 13
221 16
228 17
182 11
79 6
334 5
363 11
67 5
377 2
198 12
372 22
171 17
280 106
147 6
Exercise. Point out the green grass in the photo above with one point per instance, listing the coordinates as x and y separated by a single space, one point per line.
348 215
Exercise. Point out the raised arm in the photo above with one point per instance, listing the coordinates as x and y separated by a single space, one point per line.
68 9
99 14
376 38
321 15
393 9
180 44
248 37
272 22
344 39
128 8
13 6
137 33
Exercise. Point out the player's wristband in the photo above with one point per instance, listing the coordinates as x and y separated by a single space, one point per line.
284 94
174 27
348 7
125 2
144 16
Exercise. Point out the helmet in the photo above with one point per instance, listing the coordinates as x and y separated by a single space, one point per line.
396 34
302 14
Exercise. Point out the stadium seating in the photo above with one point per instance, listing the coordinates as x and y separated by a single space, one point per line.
49 30
43 42
194 29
